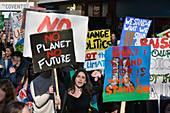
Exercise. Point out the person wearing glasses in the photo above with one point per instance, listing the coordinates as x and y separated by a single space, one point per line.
19 68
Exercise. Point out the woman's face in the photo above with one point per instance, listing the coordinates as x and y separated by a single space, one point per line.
8 52
2 95
3 36
80 79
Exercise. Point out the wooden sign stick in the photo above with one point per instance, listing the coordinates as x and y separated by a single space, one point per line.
56 83
123 105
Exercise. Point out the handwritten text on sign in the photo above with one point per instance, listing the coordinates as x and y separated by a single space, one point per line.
98 40
25 96
18 32
160 86
133 29
126 73
160 54
44 22
95 60
52 49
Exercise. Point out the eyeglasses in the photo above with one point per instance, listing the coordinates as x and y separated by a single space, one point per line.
13 58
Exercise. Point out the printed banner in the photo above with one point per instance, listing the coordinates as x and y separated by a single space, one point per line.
98 40
127 74
18 32
133 29
25 96
95 60
8 28
159 67
52 49
43 22
1 21
164 34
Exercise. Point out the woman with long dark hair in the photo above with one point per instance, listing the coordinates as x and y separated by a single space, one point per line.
79 94
7 93
6 63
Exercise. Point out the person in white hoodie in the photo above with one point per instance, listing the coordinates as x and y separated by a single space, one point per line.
42 92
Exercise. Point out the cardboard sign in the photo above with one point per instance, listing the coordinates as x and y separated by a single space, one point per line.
164 34
1 21
159 67
24 15
52 50
127 74
25 96
133 29
95 60
159 54
18 32
160 86
43 22
39 9
98 40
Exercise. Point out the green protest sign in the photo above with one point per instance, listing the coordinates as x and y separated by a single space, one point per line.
1 21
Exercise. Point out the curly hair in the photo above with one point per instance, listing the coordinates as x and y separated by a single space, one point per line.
87 89
7 86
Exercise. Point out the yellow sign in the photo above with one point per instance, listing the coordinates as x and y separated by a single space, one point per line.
98 40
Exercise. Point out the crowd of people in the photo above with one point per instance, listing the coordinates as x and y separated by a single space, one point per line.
81 91
81 88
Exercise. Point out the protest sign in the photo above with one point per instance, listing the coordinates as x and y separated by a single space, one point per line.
8 28
160 54
98 40
52 49
160 86
95 60
18 32
25 96
24 15
127 74
39 9
159 67
133 29
1 21
43 22
164 34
